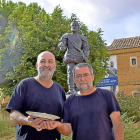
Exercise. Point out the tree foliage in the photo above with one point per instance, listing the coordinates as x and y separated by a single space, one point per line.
29 31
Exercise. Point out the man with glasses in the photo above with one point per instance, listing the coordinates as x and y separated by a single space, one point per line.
92 113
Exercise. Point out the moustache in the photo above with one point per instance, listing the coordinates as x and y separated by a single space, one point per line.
45 67
83 82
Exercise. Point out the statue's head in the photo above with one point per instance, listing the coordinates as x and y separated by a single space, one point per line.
111 64
74 26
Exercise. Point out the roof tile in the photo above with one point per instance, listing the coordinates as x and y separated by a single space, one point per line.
123 43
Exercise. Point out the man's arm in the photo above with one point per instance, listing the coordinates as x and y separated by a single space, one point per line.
20 119
62 128
117 125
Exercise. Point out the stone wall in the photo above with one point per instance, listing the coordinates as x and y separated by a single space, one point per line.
128 75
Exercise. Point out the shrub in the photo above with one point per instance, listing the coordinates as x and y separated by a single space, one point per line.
129 104
131 129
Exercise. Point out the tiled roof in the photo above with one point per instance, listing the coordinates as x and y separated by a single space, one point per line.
124 43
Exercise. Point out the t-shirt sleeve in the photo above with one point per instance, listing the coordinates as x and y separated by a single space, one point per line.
64 99
113 103
64 95
17 99
62 92
66 115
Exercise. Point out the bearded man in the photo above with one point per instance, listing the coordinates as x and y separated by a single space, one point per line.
91 113
38 94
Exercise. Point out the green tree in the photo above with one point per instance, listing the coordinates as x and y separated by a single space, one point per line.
6 8
29 31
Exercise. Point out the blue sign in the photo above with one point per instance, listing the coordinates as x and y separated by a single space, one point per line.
111 81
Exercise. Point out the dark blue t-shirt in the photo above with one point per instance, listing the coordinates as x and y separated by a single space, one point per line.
90 115
30 95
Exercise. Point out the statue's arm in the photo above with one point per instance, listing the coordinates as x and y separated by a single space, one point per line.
86 51
62 42
85 47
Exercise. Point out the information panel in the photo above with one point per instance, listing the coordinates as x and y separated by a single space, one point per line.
111 81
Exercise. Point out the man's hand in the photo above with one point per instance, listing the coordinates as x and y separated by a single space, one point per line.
50 125
36 123
62 128
20 119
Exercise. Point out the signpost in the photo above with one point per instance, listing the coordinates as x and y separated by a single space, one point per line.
111 81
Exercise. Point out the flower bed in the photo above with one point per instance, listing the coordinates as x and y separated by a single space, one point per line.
129 104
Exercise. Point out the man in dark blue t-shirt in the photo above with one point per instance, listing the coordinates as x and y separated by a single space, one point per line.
91 113
38 94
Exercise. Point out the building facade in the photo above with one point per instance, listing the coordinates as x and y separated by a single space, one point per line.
127 51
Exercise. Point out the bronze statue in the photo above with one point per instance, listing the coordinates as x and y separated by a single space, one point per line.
77 52
112 73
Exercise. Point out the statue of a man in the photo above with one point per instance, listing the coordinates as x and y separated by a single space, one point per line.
112 73
77 52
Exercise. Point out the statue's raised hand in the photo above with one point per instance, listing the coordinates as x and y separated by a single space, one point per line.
62 46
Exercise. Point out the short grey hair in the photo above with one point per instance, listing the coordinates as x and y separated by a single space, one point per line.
80 65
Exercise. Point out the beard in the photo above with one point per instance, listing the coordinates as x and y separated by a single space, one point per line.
84 88
48 74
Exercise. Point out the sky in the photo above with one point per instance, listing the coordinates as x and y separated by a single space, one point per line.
117 18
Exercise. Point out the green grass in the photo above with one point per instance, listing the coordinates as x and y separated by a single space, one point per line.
66 137
7 128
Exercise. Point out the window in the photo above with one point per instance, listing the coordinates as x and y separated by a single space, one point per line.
133 61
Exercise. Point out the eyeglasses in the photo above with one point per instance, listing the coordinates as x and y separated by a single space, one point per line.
79 76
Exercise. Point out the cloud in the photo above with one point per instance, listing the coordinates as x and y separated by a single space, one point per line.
43 3
132 26
94 13
115 11
117 18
